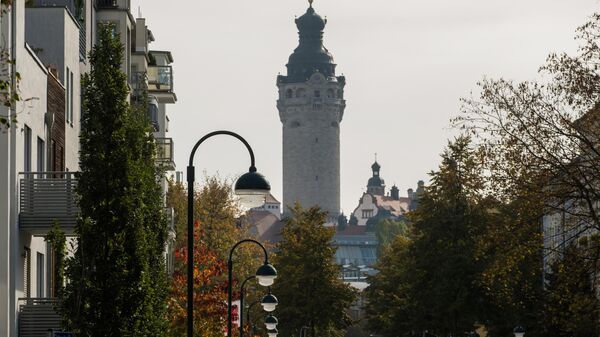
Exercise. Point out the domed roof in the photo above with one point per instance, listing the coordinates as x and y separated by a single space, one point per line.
310 21
375 181
310 56
375 166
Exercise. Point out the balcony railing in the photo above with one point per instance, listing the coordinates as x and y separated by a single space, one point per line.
164 153
37 316
160 78
112 4
46 197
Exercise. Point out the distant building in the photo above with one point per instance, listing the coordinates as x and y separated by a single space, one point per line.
374 204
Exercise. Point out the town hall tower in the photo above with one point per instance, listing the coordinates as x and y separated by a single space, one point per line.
311 106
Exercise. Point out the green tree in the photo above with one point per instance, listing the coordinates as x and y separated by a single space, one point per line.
386 230
117 278
572 305
389 306
309 290
450 216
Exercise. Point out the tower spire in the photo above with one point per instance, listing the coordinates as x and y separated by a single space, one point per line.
310 2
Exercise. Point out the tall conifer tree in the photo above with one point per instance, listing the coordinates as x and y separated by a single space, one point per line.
117 280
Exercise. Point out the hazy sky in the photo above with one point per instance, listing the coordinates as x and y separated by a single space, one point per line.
407 63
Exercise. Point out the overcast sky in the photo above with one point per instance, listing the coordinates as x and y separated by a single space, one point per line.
407 64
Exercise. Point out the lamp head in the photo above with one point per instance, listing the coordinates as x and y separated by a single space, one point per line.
266 274
251 188
269 302
271 322
519 331
272 333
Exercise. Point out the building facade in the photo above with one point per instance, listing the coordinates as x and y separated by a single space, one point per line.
311 107
39 154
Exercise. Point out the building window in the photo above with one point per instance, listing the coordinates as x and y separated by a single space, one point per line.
330 93
289 93
317 93
41 155
71 99
27 149
27 272
300 93
367 213
40 282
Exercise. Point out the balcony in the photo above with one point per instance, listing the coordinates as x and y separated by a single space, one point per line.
37 316
160 83
164 153
113 4
46 197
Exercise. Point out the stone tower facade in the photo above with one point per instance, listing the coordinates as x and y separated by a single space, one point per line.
311 106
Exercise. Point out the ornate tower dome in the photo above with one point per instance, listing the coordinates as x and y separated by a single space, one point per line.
376 185
311 106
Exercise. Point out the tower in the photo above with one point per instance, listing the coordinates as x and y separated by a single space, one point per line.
376 185
311 106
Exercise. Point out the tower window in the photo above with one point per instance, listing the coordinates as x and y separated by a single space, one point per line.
316 140
295 124
317 178
367 213
300 93
330 93
317 93
289 93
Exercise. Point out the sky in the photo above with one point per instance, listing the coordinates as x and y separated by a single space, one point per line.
407 64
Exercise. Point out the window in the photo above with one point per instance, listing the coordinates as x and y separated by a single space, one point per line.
317 93
27 149
27 272
367 213
71 100
300 93
330 93
289 93
41 155
67 95
40 282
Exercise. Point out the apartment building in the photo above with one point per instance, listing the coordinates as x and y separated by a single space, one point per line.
39 155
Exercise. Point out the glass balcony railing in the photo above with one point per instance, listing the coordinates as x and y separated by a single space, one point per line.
160 78
104 4
164 152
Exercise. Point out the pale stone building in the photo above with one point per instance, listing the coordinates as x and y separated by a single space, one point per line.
311 106
39 155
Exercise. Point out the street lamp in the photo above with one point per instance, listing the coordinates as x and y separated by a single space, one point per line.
519 331
250 187
269 302
265 274
271 322
272 333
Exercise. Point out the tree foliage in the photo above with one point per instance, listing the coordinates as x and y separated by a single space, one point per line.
571 305
210 290
117 276
308 287
216 208
541 137
386 230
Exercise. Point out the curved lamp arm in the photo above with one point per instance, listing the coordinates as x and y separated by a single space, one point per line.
252 241
228 133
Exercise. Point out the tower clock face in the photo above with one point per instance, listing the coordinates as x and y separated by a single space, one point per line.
317 78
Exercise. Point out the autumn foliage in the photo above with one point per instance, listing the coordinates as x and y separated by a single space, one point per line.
210 289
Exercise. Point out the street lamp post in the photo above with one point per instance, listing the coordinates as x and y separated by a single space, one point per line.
249 185
242 294
270 321
265 275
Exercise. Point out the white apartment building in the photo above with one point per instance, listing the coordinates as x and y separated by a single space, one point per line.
49 40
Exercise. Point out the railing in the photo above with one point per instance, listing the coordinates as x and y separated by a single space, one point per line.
160 78
46 197
37 316
164 152
170 212
111 4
